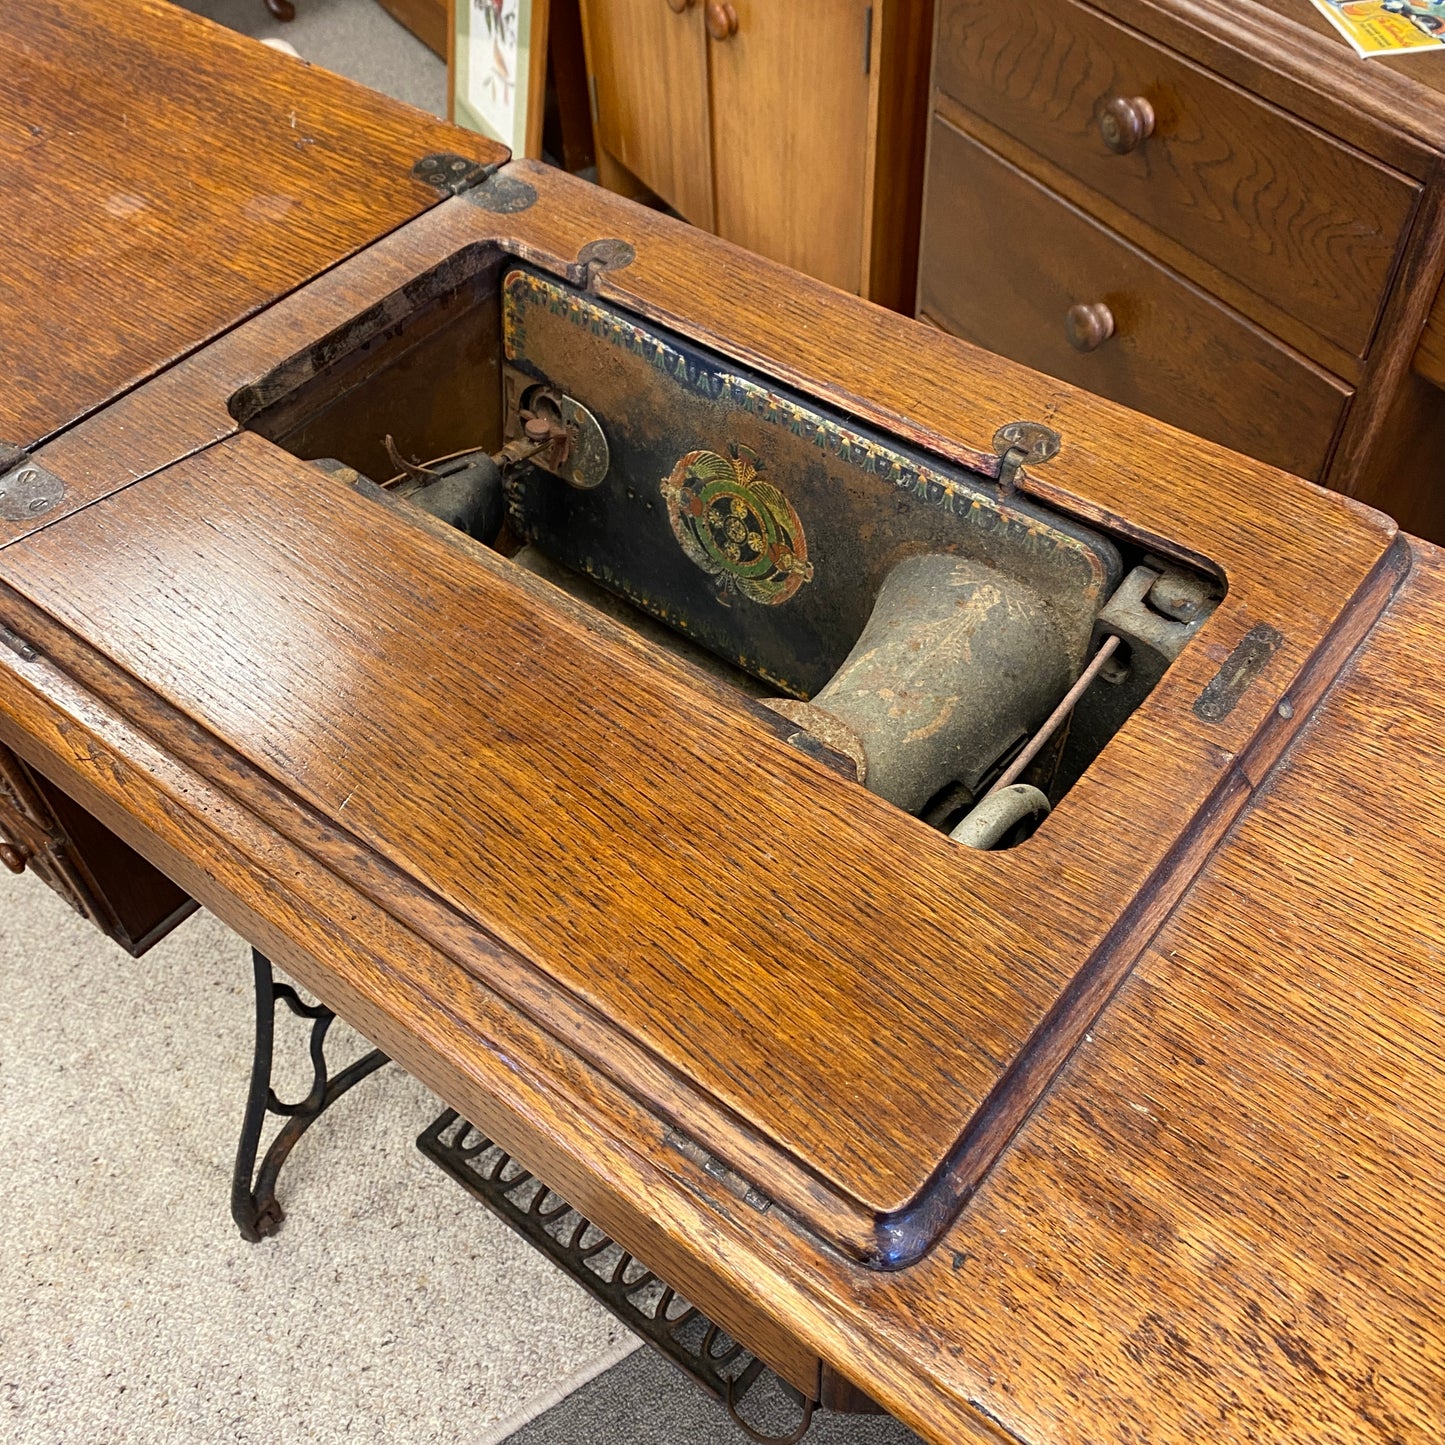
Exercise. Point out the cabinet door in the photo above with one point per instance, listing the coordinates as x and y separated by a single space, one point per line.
648 64
790 90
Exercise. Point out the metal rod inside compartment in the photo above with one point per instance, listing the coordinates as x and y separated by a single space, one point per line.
1051 723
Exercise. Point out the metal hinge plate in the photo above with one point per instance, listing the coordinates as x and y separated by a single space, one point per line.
452 174
29 491
1023 443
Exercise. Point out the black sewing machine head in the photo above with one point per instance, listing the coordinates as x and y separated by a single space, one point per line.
921 619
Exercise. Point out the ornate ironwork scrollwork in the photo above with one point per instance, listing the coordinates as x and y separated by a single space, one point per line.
254 1205
643 1302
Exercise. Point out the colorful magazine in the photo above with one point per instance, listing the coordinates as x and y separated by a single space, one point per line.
1387 27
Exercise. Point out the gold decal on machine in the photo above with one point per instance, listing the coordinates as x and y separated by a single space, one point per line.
736 527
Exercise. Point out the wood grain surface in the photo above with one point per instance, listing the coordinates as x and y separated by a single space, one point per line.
1293 57
792 84
897 145
1272 141
798 132
650 67
1080 1298
1225 1223
785 1108
113 263
1003 262
1143 1262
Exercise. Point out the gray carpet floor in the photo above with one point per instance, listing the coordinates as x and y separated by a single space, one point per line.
644 1401
390 1306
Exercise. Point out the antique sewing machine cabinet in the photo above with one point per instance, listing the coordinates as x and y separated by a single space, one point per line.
597 823
820 1011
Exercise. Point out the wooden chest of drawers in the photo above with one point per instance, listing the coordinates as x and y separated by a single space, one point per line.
1213 213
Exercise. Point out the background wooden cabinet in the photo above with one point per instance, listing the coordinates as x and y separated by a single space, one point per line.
647 66
793 127
1209 210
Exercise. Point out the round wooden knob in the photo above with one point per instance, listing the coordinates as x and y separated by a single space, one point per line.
1088 325
678 6
14 857
722 19
1125 122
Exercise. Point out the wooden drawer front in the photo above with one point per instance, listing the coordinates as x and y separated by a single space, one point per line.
1004 260
24 824
1302 220
45 830
35 841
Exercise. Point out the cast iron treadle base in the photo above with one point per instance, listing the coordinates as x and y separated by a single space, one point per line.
628 1288
253 1191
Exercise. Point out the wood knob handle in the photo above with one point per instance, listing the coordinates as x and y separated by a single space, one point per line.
1088 325
678 6
14 857
1125 122
722 19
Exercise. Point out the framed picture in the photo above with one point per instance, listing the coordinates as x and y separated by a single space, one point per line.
499 70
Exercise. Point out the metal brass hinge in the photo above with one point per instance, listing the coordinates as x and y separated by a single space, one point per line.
1023 442
28 491
26 651
452 174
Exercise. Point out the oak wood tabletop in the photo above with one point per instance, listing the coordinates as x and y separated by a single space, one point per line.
1224 1217
828 1121
165 178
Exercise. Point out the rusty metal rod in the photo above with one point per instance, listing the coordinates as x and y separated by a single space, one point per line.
1051 723
520 450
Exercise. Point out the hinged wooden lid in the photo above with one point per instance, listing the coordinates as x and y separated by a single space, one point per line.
165 178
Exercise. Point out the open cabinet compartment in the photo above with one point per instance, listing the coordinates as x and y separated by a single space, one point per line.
705 459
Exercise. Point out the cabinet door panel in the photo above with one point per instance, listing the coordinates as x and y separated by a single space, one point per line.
790 133
649 66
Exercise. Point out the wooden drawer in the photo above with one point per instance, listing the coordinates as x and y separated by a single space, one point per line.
1300 219
1004 260
103 879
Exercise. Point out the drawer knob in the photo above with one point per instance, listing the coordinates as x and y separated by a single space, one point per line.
722 19
14 857
1088 325
1125 122
678 6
